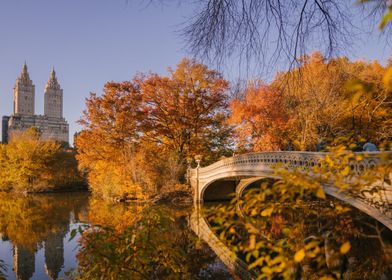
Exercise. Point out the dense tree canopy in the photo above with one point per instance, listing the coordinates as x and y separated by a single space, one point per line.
108 139
260 119
138 134
186 110
322 100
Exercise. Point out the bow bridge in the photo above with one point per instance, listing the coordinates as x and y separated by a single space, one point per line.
220 180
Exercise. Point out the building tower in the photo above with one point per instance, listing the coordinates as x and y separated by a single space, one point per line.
53 104
54 253
24 262
24 94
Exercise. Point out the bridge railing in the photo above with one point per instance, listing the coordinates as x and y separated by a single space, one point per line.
254 164
288 159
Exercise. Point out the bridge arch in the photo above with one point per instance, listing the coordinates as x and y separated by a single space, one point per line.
219 190
253 182
249 168
222 185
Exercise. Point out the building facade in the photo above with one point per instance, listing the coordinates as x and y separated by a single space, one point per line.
52 124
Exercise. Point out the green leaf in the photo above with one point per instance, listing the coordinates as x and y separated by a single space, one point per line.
386 18
72 234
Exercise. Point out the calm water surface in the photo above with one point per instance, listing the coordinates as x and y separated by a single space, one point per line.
36 243
35 236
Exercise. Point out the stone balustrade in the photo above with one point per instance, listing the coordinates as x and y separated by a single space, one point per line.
262 164
289 159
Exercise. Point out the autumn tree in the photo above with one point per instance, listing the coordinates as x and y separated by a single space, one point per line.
29 164
319 102
110 136
369 102
260 119
313 96
323 102
186 110
138 134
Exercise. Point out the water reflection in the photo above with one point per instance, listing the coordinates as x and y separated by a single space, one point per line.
24 262
157 243
370 256
35 233
54 254
34 224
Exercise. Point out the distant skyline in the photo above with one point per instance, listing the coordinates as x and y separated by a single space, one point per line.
91 42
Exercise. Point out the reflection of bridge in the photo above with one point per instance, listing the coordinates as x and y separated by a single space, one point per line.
202 229
232 175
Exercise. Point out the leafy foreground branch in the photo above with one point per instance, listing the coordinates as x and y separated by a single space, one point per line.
289 230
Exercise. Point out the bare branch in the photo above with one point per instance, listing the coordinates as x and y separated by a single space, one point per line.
265 32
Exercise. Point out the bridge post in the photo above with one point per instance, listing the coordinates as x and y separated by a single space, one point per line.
198 159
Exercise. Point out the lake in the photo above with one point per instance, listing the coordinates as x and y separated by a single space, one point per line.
35 233
46 237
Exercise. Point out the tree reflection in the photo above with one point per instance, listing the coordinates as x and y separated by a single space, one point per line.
37 216
37 221
156 243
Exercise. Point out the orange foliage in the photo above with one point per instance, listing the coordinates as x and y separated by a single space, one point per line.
138 134
187 109
260 118
319 102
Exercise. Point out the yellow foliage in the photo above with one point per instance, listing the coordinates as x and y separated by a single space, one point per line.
345 248
267 212
293 220
299 255
30 164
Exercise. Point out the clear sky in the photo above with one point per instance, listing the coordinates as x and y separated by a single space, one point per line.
90 42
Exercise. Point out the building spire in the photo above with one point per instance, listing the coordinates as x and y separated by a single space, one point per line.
52 83
24 75
53 74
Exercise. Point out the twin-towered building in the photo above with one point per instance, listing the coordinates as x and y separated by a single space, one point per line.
52 124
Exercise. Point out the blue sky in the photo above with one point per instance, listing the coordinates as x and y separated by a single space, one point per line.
90 42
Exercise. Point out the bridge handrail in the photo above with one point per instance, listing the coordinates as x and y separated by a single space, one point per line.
291 159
